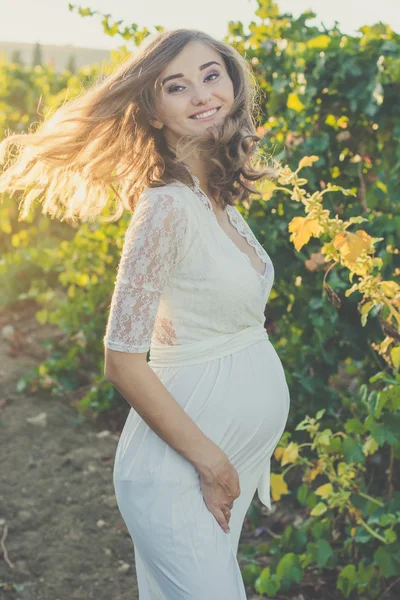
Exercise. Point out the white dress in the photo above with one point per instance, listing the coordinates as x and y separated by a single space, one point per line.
194 295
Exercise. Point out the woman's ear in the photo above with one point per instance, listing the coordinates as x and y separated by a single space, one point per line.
157 124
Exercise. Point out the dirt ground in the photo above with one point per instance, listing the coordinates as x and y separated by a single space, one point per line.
61 534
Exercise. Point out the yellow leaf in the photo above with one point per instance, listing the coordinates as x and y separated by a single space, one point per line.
290 454
82 279
41 316
395 356
390 288
318 509
366 307
355 512
353 288
324 437
351 245
266 188
307 161
15 239
6 227
295 103
324 490
365 311
302 229
278 486
353 531
370 446
311 475
384 345
279 452
320 41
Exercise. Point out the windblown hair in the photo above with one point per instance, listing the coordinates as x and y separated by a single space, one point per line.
103 139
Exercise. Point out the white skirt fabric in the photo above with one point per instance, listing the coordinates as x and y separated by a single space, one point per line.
241 402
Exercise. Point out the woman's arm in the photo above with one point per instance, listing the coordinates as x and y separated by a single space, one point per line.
143 390
152 247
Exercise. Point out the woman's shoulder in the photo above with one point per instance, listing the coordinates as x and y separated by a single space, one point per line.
171 193
173 188
158 202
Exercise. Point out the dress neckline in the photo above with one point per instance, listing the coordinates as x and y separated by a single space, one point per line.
234 220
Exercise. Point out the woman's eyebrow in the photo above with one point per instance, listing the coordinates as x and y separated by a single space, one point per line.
212 62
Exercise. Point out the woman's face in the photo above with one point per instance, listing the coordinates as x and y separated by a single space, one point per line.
196 81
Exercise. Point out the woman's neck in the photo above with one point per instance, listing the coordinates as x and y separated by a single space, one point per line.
198 169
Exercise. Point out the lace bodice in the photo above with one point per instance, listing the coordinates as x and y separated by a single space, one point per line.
181 277
239 224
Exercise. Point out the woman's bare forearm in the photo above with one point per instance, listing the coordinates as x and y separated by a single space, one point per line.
144 391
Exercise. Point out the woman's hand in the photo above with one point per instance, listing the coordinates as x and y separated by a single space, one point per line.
219 482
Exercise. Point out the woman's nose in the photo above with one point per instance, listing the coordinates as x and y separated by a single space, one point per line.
201 97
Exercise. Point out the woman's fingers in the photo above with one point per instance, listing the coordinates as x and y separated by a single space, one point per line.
223 521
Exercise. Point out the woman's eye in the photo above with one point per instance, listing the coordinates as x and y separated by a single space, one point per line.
173 88
211 74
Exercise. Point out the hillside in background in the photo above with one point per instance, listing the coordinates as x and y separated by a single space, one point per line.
59 56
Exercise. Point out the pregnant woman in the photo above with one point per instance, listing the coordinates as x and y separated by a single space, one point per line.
172 128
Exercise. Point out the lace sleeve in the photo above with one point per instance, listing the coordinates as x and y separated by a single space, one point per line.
151 249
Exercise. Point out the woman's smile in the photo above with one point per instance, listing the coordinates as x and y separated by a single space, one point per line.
206 115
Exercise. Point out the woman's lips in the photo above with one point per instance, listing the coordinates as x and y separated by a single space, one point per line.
205 118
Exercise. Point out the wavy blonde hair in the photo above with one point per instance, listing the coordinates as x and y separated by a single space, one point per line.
103 139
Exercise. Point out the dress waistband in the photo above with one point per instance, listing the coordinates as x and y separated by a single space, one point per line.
163 355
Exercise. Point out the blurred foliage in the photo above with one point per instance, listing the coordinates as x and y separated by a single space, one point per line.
328 107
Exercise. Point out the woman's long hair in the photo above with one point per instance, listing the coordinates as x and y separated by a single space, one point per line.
103 140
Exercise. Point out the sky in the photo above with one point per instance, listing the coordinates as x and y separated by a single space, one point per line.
50 22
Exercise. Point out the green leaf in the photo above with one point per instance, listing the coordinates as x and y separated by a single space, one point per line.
390 536
382 433
250 573
324 552
302 493
388 560
324 437
321 529
345 581
267 583
354 426
289 568
352 451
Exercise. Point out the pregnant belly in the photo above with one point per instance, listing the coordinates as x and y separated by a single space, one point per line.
240 401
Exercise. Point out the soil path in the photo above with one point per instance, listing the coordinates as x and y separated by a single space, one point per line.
65 538
61 534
